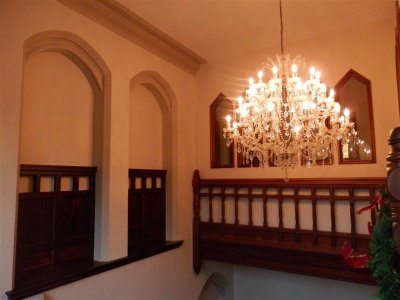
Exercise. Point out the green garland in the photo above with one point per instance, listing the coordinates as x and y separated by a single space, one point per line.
383 251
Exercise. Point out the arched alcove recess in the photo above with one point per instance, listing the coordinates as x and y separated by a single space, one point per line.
166 100
99 77
215 288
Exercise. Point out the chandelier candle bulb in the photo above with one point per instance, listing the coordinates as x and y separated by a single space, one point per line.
228 121
260 75
275 71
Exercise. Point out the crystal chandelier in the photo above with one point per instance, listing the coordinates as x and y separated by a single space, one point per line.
284 120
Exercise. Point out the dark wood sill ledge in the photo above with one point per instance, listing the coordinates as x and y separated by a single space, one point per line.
79 270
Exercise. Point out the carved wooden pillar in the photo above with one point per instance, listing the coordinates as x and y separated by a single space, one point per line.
196 221
393 183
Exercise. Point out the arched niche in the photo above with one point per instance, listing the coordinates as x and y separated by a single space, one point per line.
353 91
221 156
215 288
56 113
163 95
98 76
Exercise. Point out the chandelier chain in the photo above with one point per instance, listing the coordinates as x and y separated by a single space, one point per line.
281 20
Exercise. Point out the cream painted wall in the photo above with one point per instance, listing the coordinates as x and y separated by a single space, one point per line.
166 276
57 112
368 49
145 130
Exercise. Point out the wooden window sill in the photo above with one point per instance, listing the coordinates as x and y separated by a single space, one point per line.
61 275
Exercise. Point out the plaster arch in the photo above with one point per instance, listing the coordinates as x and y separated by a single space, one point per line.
166 100
215 288
98 75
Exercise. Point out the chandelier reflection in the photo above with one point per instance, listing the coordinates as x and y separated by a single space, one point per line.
285 120
354 148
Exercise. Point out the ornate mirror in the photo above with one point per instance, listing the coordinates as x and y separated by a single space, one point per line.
221 155
354 92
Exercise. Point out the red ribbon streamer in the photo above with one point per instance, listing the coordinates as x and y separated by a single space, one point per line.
377 201
355 261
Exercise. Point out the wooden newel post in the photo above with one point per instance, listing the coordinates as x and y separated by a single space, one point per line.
196 222
393 183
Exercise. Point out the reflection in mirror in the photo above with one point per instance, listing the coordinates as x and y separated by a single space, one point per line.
221 155
354 92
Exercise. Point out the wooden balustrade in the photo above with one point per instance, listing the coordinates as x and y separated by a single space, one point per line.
251 235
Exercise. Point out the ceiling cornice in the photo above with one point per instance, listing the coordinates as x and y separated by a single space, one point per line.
122 21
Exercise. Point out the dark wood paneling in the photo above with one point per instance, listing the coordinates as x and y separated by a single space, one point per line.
146 208
312 252
54 226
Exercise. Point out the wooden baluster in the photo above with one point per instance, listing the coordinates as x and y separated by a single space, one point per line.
236 206
57 183
196 221
223 206
352 219
280 214
296 211
333 217
36 183
314 216
393 184
250 192
372 196
210 208
75 185
265 215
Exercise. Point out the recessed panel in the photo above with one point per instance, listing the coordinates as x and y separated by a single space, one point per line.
217 209
288 212
47 184
243 205
323 215
204 209
273 212
25 184
84 183
230 210
305 214
257 206
342 212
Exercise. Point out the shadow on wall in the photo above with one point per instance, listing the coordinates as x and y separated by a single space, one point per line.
214 288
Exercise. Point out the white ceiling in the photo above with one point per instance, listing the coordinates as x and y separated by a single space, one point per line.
217 29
